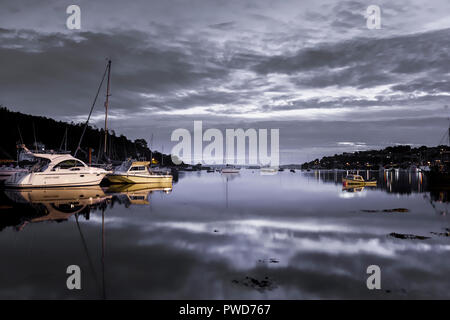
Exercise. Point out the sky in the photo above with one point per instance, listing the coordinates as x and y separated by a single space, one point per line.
312 69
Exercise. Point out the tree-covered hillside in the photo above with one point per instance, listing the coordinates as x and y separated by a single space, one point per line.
17 128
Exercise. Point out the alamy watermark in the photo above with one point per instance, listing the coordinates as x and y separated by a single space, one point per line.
235 150
374 280
74 280
73 21
373 17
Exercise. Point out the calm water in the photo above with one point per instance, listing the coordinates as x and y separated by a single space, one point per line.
284 236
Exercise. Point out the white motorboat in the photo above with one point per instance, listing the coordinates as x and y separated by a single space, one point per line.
230 170
269 170
56 170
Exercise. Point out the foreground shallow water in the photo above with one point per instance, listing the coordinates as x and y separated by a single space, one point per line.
213 236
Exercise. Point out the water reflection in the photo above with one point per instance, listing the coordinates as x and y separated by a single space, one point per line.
353 189
392 181
135 194
20 207
23 206
295 232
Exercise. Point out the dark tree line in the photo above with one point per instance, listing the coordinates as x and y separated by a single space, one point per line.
394 156
17 128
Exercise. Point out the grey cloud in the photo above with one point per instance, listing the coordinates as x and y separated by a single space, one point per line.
426 85
66 71
402 54
348 15
223 25
263 55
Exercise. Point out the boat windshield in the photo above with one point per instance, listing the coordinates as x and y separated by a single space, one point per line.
41 165
138 168
124 166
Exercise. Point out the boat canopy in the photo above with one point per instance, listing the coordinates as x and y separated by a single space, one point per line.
140 163
55 161
354 177
128 164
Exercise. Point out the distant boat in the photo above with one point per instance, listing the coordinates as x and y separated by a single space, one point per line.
137 172
230 170
269 170
357 180
56 170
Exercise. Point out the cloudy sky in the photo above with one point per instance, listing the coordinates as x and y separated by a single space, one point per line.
310 68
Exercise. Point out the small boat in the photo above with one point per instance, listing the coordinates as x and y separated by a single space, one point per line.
357 180
56 170
137 172
230 170
267 171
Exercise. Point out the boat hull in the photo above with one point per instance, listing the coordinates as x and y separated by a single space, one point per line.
130 179
230 171
356 183
46 180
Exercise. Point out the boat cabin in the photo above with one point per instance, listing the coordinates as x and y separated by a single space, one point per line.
57 162
134 167
355 177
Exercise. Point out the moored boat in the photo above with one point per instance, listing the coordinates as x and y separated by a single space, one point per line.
56 170
268 171
230 170
357 180
137 172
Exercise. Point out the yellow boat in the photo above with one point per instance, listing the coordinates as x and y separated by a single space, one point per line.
358 181
138 172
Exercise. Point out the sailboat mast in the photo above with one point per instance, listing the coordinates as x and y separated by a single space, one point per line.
106 105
